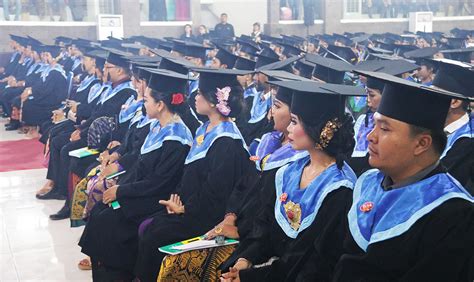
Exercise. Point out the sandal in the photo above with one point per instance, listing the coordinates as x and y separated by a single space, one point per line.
48 186
85 264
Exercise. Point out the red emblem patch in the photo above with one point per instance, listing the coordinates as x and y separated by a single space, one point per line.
366 207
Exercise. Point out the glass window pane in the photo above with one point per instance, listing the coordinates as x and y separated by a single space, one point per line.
55 10
165 10
298 10
367 9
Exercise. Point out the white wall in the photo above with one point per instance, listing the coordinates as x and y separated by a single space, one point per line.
242 13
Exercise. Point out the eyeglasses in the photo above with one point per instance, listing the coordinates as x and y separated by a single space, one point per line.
110 67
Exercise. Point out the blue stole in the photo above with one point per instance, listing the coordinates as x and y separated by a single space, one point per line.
463 132
174 131
49 69
42 68
250 91
130 109
86 82
26 61
259 108
309 200
141 119
113 91
96 90
193 86
77 62
361 131
271 154
32 68
13 57
203 141
394 212
145 120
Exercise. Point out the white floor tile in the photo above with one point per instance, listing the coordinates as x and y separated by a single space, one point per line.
32 247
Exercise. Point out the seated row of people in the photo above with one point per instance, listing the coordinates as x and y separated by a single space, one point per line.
295 204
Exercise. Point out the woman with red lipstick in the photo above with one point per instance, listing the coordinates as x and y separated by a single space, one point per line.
302 226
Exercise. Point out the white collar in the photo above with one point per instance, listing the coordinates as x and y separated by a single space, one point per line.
452 127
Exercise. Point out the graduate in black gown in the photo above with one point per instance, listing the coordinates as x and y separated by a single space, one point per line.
111 100
76 107
215 163
16 86
410 220
110 237
311 195
273 152
14 44
458 156
47 94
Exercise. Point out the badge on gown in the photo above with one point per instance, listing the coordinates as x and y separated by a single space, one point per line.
293 214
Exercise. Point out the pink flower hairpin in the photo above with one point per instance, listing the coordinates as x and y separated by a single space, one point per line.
222 98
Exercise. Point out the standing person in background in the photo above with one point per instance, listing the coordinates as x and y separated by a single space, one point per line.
224 29
188 33
257 31
203 34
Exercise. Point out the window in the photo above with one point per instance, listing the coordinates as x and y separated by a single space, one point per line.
165 10
385 9
55 10
298 10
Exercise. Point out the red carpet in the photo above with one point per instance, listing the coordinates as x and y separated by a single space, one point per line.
21 155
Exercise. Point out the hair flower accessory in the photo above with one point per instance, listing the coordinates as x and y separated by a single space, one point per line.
177 99
222 98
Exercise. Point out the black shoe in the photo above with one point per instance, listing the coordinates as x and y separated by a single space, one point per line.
51 195
12 126
63 213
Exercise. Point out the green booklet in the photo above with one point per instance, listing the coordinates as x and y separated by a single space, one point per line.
83 152
192 244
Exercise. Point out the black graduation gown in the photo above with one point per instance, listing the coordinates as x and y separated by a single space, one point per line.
110 236
111 108
459 162
205 190
10 67
359 164
321 242
67 63
437 247
78 96
81 96
47 97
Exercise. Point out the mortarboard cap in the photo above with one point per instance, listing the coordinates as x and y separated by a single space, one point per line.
285 64
316 102
211 79
167 81
117 58
455 77
398 91
461 54
244 64
227 58
327 69
52 49
305 68
345 53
